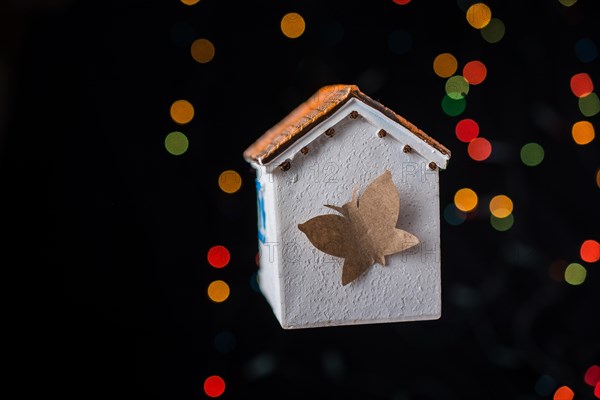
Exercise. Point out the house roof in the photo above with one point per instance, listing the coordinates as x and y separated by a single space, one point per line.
313 111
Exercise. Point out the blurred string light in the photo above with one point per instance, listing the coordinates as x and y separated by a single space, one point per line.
453 107
292 25
592 375
466 130
181 111
465 199
218 256
545 385
583 132
590 251
479 149
563 393
457 87
254 282
494 31
501 206
401 2
218 291
589 105
203 51
445 65
230 181
567 3
474 72
176 143
598 178
586 50
581 84
575 274
479 15
453 215
532 154
502 224
190 2
597 390
214 386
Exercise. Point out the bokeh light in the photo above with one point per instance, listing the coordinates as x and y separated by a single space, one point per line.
597 390
230 181
176 143
445 65
401 2
598 178
586 50
181 111
563 393
479 15
466 130
214 386
457 87
203 51
292 25
501 206
502 224
545 385
590 251
254 282
474 72
453 215
592 375
494 31
479 149
218 256
465 199
532 154
453 107
218 291
583 132
589 105
190 2
581 84
567 3
575 274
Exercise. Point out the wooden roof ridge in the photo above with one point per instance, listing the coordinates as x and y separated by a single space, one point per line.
313 111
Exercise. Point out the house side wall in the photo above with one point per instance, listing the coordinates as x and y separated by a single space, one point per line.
269 252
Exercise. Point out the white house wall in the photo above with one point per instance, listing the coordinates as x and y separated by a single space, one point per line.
408 288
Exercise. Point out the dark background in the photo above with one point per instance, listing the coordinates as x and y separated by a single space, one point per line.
107 233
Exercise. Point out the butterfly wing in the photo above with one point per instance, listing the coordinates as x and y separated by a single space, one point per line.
399 241
380 202
329 233
353 268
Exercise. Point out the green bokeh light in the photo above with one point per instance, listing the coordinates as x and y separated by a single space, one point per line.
176 143
457 87
575 274
453 107
589 105
532 154
502 224
494 31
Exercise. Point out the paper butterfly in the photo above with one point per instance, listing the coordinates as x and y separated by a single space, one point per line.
365 232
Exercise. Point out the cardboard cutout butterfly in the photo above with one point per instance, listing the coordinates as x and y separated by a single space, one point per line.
365 232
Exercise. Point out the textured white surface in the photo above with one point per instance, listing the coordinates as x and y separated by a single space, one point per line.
302 284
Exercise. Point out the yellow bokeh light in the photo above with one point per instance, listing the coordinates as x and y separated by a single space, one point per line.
218 291
190 2
598 178
583 132
575 274
445 65
230 181
479 15
501 206
465 199
182 111
567 3
292 25
203 50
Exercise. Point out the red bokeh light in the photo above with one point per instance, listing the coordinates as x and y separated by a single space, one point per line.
218 256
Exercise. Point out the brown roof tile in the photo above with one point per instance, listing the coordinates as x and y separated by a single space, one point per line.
317 108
